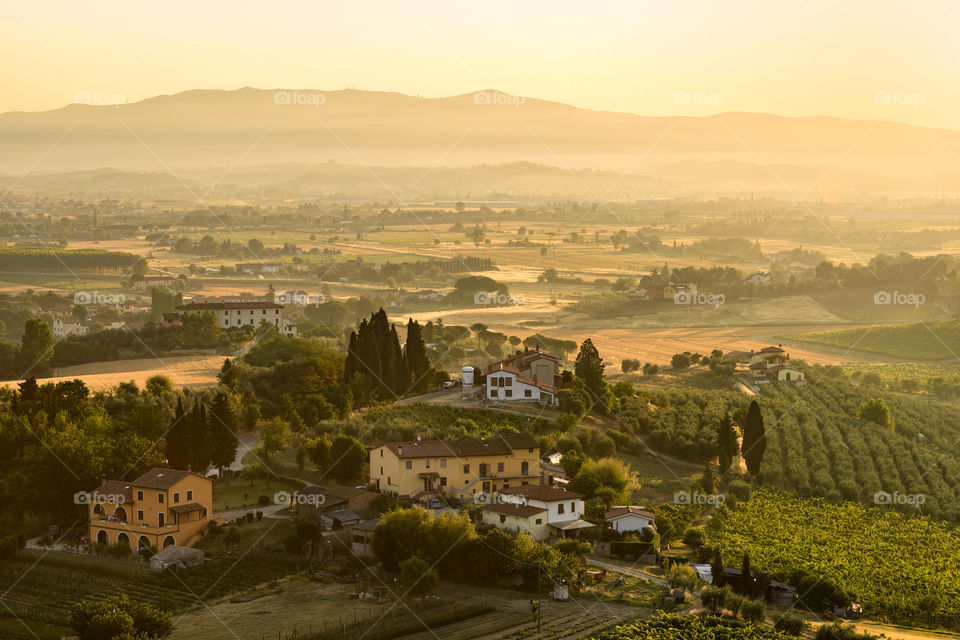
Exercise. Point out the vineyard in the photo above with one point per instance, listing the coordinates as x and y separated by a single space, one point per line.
689 628
817 446
55 259
41 589
912 341
893 564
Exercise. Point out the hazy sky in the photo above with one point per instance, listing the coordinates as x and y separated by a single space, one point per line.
833 57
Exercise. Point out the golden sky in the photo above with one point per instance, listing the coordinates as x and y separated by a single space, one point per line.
896 60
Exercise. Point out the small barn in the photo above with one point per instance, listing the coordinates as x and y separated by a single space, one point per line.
176 557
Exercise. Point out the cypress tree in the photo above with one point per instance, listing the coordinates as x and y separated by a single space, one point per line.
754 439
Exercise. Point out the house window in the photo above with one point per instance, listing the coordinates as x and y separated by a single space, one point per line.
381 470
466 468
381 452
509 382
140 496
527 393
573 507
443 463
503 519
160 520
140 514
189 494
509 393
443 481
524 468
560 508
160 498
493 393
539 520
388 481
408 464
176 497
428 463
499 467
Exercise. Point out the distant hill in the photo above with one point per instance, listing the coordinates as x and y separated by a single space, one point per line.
253 127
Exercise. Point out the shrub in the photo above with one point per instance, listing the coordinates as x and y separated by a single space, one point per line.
753 610
417 576
249 516
741 490
734 603
694 538
714 597
837 631
682 576
264 500
259 516
792 624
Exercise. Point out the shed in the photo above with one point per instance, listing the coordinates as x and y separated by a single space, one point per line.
176 556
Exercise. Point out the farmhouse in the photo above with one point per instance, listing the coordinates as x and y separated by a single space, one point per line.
543 512
255 268
758 278
526 376
670 291
772 364
163 507
462 469
146 283
63 329
333 507
242 312
626 518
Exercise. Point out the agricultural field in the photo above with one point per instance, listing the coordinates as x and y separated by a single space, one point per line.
689 628
41 587
892 563
187 371
937 341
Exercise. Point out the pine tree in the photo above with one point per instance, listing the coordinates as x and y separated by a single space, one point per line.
589 368
754 439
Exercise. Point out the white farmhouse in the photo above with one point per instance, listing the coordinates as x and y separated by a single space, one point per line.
63 329
543 512
625 518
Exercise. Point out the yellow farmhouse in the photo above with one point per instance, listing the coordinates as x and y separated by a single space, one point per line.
160 508
459 469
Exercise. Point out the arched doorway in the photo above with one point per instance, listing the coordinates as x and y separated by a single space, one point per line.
120 514
102 537
168 541
123 538
143 543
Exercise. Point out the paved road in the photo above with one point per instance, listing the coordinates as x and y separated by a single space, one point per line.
635 573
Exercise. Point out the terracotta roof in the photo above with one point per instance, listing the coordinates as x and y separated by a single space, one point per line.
771 350
541 492
522 510
498 445
421 449
115 488
158 478
214 306
616 512
500 366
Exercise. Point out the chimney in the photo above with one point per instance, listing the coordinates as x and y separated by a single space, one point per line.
400 451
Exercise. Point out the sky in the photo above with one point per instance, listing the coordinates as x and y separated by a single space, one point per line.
880 60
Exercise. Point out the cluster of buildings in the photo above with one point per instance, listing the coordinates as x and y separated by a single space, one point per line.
769 364
526 376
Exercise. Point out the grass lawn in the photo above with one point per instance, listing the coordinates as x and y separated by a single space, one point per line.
239 492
